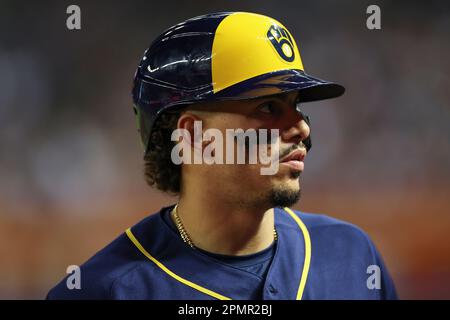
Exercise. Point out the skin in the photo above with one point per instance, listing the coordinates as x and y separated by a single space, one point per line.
228 209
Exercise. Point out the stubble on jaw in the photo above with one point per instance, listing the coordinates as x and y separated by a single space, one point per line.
281 196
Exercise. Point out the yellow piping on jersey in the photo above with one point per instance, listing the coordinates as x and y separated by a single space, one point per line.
216 295
172 274
307 260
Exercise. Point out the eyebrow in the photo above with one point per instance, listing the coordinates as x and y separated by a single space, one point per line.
283 98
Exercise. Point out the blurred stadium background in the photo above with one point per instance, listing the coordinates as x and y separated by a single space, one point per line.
71 169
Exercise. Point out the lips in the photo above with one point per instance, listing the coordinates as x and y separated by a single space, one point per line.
295 159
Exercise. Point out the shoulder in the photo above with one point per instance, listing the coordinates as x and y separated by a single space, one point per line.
331 228
338 239
99 274
345 255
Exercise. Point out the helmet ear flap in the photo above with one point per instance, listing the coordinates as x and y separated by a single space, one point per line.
307 141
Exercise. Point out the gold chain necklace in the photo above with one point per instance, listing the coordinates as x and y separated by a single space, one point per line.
184 235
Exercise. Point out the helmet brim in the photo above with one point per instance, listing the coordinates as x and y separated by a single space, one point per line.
310 88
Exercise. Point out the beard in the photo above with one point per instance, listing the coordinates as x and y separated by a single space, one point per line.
281 196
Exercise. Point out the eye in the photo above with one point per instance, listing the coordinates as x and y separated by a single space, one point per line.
268 108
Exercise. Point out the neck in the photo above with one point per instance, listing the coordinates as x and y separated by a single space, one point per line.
223 228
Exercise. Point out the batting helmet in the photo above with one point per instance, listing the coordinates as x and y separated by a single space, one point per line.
221 56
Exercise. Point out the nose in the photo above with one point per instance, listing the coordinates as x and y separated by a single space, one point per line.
296 130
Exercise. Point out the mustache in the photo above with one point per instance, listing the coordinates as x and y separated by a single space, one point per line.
282 153
290 149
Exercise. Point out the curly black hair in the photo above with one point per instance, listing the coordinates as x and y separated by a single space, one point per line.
159 169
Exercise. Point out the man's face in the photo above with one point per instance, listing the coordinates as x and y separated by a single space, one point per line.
244 183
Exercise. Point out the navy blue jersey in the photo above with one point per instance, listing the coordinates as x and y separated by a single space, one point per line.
316 257
257 263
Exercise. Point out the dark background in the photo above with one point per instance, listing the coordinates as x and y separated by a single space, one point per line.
71 169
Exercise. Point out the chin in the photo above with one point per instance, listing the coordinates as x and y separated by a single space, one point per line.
285 194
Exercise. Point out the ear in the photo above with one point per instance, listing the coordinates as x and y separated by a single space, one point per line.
189 122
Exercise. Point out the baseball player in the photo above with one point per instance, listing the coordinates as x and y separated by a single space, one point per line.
231 234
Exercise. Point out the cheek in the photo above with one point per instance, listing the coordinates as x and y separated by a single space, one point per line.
240 173
250 175
232 122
